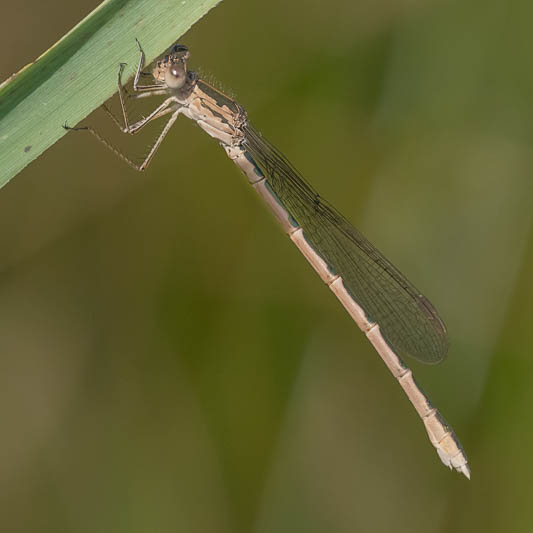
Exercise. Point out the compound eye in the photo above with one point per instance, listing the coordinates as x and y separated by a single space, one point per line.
180 50
176 76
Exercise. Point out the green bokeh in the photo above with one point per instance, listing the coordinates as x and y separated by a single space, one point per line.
169 360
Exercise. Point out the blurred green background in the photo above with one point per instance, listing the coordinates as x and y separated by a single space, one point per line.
169 362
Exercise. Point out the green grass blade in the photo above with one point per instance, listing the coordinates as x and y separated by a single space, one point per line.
79 72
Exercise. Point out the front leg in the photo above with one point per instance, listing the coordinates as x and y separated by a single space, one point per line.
148 90
140 66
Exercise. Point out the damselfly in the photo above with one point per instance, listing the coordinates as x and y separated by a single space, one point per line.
396 318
